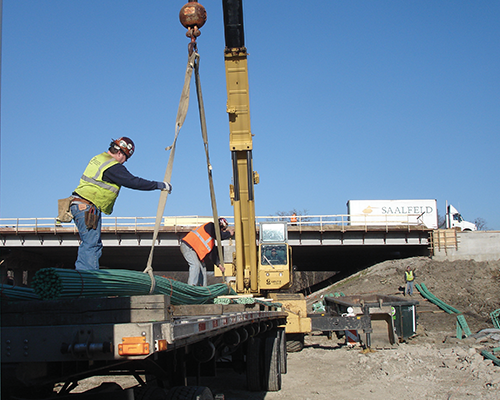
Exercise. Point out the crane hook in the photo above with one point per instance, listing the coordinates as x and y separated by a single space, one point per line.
192 16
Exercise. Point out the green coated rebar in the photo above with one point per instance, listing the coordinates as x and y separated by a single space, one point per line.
462 326
9 292
50 283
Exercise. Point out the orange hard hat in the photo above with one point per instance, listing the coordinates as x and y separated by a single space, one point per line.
125 144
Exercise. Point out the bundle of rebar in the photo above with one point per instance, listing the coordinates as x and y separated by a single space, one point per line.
51 283
462 326
10 292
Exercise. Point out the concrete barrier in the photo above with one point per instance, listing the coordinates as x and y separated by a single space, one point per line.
478 246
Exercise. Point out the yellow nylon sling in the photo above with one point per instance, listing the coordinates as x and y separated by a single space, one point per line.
203 123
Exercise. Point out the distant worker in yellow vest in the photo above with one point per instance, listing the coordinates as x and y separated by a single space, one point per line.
410 280
97 192
199 246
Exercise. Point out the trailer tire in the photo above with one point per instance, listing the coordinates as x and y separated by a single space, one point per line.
294 342
283 350
190 393
150 392
253 364
272 362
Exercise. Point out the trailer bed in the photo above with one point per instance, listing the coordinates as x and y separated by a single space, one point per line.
84 337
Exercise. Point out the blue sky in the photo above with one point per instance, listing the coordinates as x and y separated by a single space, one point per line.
349 100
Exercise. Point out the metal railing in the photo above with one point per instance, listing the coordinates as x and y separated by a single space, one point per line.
135 223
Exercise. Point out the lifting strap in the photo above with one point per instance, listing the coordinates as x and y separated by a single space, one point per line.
193 63
203 124
179 121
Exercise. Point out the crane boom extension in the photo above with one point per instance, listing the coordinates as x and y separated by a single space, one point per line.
240 142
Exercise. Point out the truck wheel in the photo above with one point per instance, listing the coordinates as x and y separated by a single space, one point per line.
149 392
190 393
272 363
294 342
253 364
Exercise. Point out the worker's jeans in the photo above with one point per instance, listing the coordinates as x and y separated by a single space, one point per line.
197 268
409 287
90 249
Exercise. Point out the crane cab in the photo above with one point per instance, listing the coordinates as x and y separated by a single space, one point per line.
274 256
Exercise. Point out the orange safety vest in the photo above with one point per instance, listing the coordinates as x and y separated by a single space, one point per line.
200 241
294 218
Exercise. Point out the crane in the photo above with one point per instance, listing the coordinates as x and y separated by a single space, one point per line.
263 269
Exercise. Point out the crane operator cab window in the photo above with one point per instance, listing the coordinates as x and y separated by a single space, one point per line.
273 254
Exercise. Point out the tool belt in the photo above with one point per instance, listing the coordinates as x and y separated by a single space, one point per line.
91 217
81 200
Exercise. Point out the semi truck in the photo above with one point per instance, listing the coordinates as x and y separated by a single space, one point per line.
418 213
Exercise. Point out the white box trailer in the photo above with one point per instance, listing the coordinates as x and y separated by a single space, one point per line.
393 212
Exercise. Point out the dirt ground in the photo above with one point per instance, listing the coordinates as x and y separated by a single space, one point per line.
433 364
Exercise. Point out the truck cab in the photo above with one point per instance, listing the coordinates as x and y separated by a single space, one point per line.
454 220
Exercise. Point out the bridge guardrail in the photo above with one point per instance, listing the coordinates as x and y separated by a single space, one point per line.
320 221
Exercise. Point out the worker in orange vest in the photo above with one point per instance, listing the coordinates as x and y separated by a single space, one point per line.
293 219
198 246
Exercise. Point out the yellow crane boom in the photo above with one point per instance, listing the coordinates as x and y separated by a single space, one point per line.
240 143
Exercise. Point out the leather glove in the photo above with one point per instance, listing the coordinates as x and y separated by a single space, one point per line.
168 187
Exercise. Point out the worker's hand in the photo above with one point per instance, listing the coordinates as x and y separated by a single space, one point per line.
231 231
221 267
168 187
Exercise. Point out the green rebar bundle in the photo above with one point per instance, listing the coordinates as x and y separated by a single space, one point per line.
433 299
10 292
462 326
51 283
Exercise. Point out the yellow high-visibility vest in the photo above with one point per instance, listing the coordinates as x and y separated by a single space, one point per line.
409 276
92 188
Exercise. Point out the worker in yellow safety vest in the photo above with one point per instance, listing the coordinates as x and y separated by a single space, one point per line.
198 247
97 192
410 280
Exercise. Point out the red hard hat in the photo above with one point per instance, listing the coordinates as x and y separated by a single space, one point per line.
125 144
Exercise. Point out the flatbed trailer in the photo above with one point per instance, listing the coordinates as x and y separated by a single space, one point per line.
45 343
